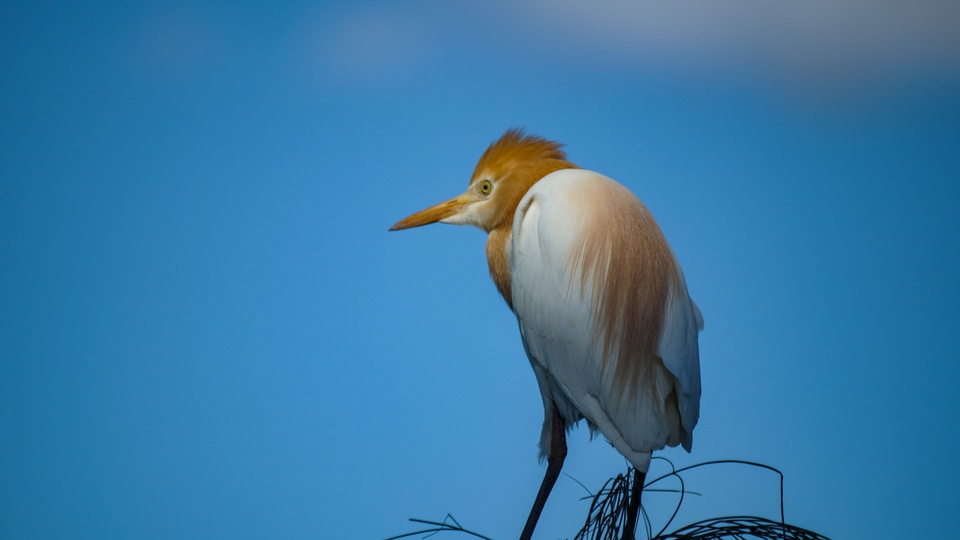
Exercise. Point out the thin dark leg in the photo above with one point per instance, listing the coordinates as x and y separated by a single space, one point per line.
558 452
638 479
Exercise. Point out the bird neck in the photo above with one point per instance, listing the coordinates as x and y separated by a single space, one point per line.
497 259
522 178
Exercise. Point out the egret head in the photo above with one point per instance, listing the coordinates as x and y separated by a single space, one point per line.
506 170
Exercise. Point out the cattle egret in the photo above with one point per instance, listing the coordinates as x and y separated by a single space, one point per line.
604 313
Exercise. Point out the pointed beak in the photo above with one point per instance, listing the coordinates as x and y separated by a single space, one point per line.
433 214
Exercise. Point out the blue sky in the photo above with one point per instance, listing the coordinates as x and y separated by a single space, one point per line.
206 330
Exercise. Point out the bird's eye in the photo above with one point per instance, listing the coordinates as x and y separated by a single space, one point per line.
485 187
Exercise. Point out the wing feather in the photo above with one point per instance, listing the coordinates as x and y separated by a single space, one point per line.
560 278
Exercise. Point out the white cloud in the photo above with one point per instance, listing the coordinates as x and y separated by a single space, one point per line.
800 41
886 38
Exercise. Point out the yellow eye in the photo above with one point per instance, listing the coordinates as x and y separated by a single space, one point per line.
485 187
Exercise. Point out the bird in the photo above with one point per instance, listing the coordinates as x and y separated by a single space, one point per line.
605 317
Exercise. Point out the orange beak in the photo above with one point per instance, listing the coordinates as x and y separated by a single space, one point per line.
430 215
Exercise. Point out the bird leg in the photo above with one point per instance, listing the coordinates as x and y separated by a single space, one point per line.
558 452
634 508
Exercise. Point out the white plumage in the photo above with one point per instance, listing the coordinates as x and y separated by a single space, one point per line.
557 320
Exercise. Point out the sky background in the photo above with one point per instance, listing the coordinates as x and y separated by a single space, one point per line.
206 330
